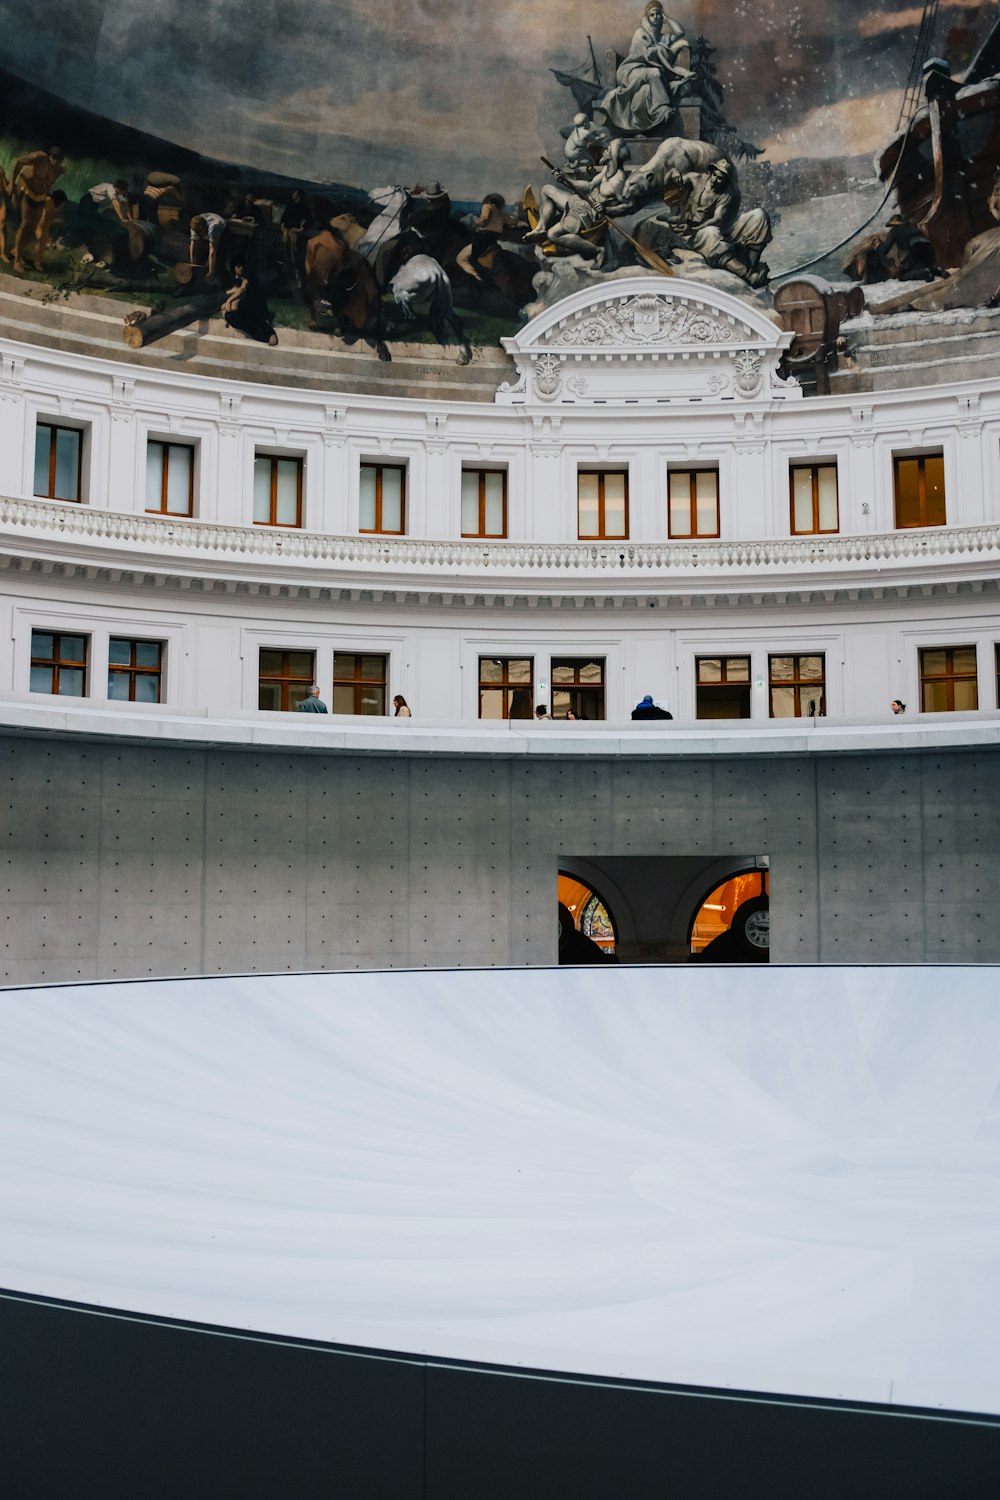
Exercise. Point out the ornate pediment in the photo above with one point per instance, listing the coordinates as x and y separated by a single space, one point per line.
647 340
647 322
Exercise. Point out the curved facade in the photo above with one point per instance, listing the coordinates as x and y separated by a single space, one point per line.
644 493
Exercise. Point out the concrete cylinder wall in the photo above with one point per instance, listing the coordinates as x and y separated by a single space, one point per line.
151 858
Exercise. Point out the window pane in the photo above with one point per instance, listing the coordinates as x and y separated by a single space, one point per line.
72 648
707 494
392 499
490 670
343 664
592 671
297 691
147 687
343 699
935 663
827 480
288 492
373 668
934 481
587 505
43 440
470 502
40 680
71 682
270 663
519 670
300 664
372 700
118 685
67 465
679 482
179 465
966 694
935 697
614 505
269 696
783 703
366 518
154 475
811 668
42 644
781 668
147 653
907 492
709 669
262 490
965 659
491 703
802 500
563 673
494 487
119 652
738 668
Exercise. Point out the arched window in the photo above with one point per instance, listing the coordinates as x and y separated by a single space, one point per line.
588 910
716 912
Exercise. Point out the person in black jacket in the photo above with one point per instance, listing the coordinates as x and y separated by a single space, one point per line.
647 709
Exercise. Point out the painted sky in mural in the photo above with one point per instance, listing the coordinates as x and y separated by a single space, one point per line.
363 91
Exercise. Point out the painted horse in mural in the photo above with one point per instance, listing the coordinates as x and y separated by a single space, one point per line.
339 280
416 281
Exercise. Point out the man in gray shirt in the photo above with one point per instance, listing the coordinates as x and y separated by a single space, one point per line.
313 704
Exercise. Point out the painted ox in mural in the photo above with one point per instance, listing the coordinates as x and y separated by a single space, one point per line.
349 272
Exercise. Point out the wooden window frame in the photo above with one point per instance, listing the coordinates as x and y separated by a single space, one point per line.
921 461
601 535
482 534
744 684
53 428
378 529
505 685
949 677
273 459
133 670
56 661
164 444
358 682
577 685
285 678
692 474
812 468
817 684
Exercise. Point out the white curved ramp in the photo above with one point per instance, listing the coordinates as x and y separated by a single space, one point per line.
772 1179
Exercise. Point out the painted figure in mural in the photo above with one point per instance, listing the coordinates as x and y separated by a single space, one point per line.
246 309
486 234
294 233
33 178
703 211
417 282
651 78
585 143
109 198
571 212
207 228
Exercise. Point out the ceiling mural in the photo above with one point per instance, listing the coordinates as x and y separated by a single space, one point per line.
439 170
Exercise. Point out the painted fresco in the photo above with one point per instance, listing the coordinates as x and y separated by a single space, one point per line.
438 170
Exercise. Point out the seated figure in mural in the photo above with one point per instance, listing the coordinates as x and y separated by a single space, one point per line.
651 78
33 178
246 309
576 207
585 143
703 209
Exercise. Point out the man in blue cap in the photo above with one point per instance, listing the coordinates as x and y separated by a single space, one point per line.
647 709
